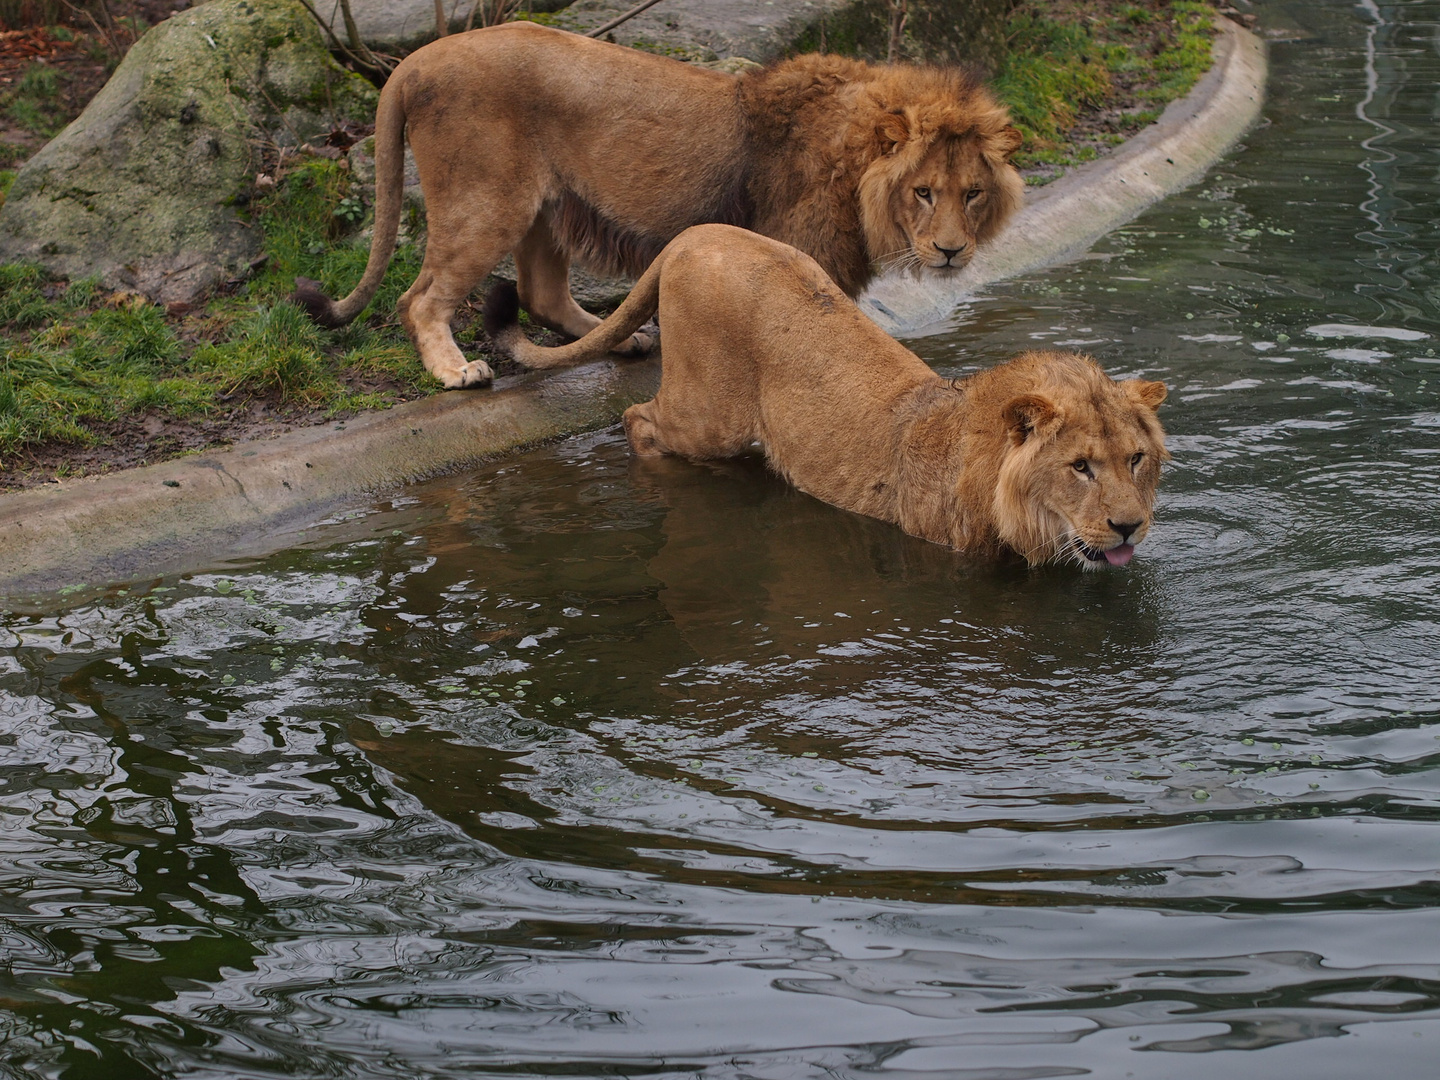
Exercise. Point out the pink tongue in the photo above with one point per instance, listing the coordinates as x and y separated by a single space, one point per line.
1119 556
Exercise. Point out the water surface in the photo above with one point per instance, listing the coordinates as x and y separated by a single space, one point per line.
577 766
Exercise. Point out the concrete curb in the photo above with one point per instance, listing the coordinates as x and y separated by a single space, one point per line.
1062 220
167 518
176 516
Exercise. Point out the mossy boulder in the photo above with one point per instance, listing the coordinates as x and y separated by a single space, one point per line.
147 188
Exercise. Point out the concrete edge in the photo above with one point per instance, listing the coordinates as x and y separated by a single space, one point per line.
176 516
172 517
1061 220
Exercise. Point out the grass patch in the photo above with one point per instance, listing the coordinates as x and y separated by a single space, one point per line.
1186 55
35 102
86 364
80 366
1054 69
1079 73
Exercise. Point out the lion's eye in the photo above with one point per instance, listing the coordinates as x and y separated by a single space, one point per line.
923 193
1080 465
1136 458
973 194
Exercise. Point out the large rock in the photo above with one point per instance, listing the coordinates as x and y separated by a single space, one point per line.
707 29
400 26
391 26
144 189
948 31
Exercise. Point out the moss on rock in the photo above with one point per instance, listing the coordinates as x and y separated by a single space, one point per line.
145 189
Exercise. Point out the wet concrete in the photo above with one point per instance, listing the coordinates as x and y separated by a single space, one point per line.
166 518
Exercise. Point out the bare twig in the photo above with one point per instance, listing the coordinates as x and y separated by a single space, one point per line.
898 16
109 20
107 32
492 12
368 60
442 24
352 32
636 10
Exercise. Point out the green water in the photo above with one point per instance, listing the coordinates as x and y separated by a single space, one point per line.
581 767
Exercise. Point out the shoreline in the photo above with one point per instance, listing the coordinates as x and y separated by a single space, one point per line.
252 496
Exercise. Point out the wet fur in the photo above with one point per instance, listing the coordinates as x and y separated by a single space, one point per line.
760 346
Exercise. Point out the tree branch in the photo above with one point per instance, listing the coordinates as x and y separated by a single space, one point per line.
636 10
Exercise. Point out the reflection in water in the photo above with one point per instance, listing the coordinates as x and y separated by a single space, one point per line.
582 766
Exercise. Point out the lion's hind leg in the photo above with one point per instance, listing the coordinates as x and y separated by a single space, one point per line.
461 250
542 275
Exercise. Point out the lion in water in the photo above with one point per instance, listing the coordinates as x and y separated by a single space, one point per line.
557 148
1044 456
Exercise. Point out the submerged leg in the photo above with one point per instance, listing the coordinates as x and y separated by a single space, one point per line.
642 432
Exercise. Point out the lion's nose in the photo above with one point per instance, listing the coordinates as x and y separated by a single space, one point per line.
949 253
1124 530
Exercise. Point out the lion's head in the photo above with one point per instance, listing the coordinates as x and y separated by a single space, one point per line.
869 167
942 183
1081 462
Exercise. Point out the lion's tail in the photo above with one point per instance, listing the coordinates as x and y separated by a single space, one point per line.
501 319
389 193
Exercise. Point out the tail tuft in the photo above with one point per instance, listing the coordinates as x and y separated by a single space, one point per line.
321 309
501 314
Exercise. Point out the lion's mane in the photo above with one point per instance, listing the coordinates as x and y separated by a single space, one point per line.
833 141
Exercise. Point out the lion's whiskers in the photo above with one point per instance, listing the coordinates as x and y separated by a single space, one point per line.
1066 549
902 258
1054 544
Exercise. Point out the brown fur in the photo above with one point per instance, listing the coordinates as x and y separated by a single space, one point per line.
1036 456
560 148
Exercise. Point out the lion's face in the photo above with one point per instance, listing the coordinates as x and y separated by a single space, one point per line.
1081 465
947 204
934 197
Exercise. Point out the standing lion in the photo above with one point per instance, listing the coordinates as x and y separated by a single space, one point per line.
559 148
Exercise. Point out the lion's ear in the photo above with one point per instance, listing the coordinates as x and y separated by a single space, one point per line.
1029 415
1008 141
1149 394
891 130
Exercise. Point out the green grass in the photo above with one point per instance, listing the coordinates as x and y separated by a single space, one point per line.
1187 57
74 359
1053 70
34 102
1057 66
86 363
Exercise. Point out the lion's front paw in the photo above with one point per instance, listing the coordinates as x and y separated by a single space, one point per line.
467 376
635 345
640 431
